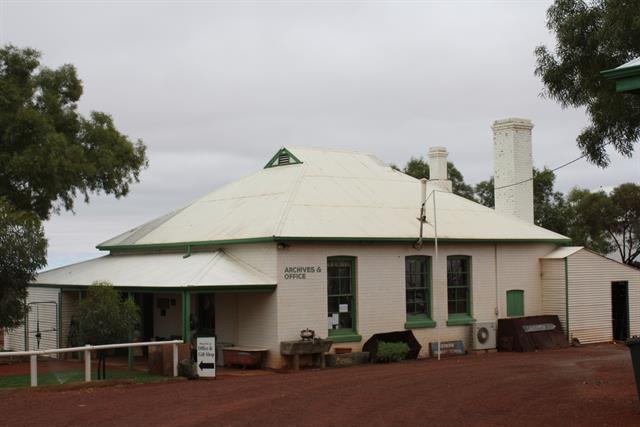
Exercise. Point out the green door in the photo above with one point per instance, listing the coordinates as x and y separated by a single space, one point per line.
515 303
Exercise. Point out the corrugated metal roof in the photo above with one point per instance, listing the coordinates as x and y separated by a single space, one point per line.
331 194
563 252
210 269
629 64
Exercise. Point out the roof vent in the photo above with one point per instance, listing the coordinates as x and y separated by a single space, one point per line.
282 158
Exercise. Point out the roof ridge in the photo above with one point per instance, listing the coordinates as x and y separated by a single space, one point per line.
288 203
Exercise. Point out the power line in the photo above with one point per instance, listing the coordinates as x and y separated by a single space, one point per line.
531 179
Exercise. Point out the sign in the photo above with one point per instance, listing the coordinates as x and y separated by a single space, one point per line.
447 348
300 272
206 356
539 327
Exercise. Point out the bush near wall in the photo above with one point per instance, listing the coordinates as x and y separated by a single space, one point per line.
392 351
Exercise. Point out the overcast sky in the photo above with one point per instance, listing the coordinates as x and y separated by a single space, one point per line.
215 88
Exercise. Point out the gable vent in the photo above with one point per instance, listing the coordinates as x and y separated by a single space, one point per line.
282 158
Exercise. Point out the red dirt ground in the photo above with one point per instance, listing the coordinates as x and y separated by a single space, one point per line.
591 385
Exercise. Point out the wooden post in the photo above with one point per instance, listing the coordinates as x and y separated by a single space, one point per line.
34 370
130 349
186 317
87 365
175 359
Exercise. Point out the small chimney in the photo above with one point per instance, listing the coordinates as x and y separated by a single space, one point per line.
513 163
438 170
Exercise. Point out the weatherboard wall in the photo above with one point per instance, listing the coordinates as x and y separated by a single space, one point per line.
590 315
554 291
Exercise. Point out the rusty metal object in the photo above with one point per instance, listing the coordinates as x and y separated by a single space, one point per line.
244 356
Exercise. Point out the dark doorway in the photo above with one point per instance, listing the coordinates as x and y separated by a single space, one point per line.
206 317
620 310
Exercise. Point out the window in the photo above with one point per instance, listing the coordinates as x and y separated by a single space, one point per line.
459 286
515 303
417 272
341 283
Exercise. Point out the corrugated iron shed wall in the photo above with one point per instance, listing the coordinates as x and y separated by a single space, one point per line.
590 276
553 289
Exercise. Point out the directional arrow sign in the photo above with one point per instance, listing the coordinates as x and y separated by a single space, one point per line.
206 360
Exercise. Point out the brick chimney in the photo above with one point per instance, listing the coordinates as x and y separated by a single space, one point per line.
513 163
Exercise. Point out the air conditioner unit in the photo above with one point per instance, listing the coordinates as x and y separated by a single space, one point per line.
484 335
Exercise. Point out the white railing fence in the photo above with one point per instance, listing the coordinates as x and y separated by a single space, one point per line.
87 349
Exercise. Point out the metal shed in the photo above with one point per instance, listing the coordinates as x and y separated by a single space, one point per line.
596 298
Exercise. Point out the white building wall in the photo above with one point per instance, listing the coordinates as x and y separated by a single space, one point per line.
381 287
47 314
171 323
590 277
553 290
250 319
519 268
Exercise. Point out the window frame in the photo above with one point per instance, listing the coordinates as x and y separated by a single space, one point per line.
345 334
420 320
465 318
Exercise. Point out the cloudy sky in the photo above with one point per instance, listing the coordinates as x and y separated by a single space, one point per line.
215 88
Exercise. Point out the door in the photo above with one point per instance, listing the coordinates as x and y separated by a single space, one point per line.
515 303
620 310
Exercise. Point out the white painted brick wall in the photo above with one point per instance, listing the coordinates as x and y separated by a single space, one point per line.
513 163
381 287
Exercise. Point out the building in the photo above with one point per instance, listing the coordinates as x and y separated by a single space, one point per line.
333 241
626 76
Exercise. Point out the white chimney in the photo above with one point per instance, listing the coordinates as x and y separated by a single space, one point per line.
513 163
438 170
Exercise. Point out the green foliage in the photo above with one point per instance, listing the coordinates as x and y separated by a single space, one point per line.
606 222
103 317
23 251
391 351
49 153
550 209
592 37
419 168
484 193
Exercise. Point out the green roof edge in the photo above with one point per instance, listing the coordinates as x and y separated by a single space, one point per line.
184 245
615 73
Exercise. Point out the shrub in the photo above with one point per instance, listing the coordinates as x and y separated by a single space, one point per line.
391 351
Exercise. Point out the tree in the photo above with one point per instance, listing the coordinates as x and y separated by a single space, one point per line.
608 222
105 318
49 153
588 212
592 37
23 250
419 168
484 193
550 209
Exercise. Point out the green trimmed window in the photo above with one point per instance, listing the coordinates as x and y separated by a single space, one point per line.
341 295
459 285
417 274
515 303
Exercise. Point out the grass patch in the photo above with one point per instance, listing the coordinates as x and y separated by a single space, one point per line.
68 377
